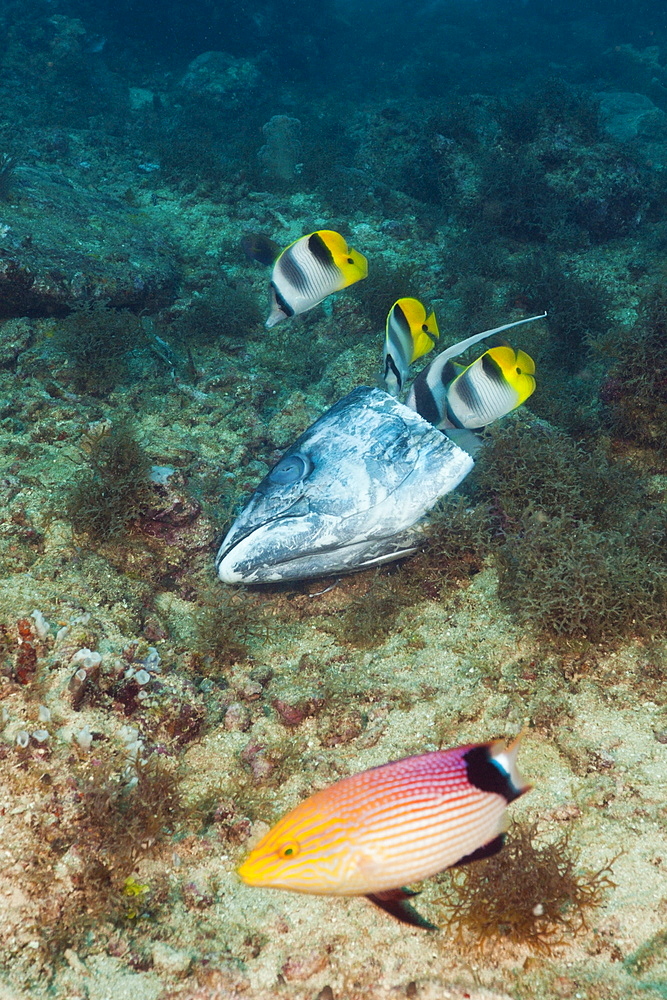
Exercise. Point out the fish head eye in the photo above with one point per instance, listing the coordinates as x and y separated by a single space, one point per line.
425 327
519 372
288 850
291 469
350 260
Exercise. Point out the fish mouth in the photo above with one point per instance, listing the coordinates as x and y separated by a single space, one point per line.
263 556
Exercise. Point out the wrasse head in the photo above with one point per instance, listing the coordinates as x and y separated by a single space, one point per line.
306 851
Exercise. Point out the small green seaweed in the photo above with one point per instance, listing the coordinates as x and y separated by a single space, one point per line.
457 539
636 389
370 618
224 310
112 488
527 464
225 624
562 576
97 341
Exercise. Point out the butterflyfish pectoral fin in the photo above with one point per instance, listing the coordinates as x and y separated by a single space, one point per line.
395 902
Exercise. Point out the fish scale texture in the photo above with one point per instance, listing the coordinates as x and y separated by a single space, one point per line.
380 829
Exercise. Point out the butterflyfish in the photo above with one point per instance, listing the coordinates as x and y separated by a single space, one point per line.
456 396
309 270
374 832
410 334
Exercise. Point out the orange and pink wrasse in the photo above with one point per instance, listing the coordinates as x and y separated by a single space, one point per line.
373 833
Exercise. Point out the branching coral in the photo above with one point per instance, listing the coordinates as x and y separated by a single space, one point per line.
531 893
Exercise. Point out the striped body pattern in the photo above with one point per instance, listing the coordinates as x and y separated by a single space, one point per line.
410 334
391 825
450 395
309 270
492 386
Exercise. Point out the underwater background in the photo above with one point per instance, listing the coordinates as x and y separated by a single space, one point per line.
496 160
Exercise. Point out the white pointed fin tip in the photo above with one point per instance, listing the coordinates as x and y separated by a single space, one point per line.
504 756
463 345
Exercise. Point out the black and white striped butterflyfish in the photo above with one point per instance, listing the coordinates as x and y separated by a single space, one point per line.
310 269
470 397
410 334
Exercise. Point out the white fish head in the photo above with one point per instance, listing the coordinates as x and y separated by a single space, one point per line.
348 494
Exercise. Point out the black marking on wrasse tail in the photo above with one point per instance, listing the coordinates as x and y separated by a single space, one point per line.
292 273
487 775
395 903
320 250
492 370
282 304
485 851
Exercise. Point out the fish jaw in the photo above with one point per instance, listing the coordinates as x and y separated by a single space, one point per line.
374 469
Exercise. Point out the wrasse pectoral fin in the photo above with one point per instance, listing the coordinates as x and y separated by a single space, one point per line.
485 851
395 902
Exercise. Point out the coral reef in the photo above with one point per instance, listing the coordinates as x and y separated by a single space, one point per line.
495 161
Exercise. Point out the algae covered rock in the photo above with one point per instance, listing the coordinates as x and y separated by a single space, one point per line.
221 78
15 337
62 245
629 116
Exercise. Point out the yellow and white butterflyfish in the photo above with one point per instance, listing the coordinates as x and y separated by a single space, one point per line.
451 396
490 387
410 334
309 270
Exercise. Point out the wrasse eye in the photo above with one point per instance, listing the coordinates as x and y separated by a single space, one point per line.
289 850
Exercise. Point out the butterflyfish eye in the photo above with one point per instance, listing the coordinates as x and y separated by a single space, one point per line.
290 470
288 850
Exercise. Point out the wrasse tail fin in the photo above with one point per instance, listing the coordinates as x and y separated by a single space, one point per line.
395 902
